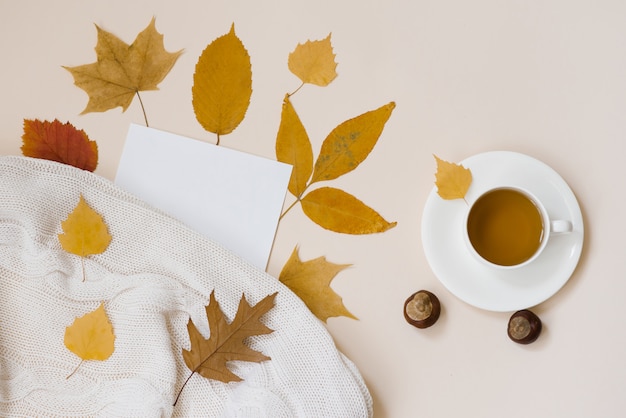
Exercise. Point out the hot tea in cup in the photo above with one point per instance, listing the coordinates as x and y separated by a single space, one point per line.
508 227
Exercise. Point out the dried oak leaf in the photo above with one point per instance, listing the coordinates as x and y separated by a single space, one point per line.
310 280
339 211
294 147
452 180
209 356
123 70
222 84
314 62
91 336
60 142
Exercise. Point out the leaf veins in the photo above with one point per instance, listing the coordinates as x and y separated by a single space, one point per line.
123 70
209 356
60 142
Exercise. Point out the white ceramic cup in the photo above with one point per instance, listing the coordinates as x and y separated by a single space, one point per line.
548 228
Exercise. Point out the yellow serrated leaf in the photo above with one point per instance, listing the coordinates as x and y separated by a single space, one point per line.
122 70
84 231
222 84
338 211
350 143
314 62
452 180
294 147
91 336
310 280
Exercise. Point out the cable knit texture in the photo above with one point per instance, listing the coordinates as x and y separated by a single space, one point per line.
153 277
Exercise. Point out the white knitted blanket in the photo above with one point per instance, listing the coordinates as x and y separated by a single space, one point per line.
155 274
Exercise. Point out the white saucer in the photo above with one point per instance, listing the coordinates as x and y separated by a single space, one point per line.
494 289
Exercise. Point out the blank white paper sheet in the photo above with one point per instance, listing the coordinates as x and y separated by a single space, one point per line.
232 197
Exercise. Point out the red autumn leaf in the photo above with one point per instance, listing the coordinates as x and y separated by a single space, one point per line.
60 142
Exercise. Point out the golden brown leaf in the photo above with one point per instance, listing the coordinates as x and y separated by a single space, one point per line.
310 280
208 356
294 147
59 142
91 336
84 231
452 180
350 143
339 211
122 70
222 84
314 62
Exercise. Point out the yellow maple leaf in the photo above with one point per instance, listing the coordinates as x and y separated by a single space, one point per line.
314 62
294 147
350 143
222 84
310 280
91 336
452 180
339 211
122 70
208 356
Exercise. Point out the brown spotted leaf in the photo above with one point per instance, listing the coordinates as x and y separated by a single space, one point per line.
350 143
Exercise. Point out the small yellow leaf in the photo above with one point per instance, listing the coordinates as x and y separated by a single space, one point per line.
350 143
91 336
294 147
452 180
84 231
339 211
122 70
314 62
310 280
222 84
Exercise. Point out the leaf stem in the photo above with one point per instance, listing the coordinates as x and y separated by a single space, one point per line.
143 109
218 139
82 262
296 90
75 369
288 209
298 199
183 387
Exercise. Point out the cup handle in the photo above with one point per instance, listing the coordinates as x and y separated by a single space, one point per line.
560 226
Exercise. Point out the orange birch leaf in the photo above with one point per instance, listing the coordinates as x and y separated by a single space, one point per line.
314 62
338 211
84 231
91 336
350 143
122 70
59 142
209 356
294 147
310 281
452 180
222 84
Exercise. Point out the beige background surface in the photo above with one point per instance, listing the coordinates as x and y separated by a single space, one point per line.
545 78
